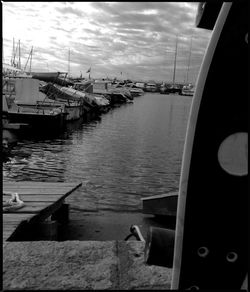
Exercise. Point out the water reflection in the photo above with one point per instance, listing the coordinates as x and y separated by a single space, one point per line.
130 152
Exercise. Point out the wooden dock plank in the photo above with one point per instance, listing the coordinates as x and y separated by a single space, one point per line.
27 187
41 200
30 207
17 218
38 187
34 198
38 184
45 192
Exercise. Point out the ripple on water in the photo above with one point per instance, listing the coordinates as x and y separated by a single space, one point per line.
131 153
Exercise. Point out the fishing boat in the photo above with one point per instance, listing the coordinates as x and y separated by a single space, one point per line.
88 101
21 106
123 90
10 131
93 99
116 96
140 85
134 90
121 87
84 86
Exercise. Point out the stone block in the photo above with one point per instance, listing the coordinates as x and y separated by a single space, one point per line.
134 273
50 265
80 265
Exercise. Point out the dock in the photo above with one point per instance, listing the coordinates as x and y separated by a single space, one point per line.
43 201
68 265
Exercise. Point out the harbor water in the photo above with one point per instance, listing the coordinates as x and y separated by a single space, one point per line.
131 152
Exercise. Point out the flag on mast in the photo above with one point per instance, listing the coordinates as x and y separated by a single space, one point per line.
88 71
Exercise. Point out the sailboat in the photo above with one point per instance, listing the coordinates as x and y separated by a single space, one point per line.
174 88
188 89
13 69
60 78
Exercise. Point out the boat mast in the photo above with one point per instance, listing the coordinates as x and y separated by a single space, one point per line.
14 61
189 58
2 52
175 59
19 56
69 63
13 52
31 57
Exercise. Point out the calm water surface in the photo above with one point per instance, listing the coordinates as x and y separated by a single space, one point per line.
131 152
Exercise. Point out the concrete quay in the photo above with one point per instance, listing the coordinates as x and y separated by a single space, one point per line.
80 265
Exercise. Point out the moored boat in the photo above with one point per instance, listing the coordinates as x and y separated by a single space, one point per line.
151 87
174 88
116 96
21 106
89 101
134 90
188 90
121 87
140 85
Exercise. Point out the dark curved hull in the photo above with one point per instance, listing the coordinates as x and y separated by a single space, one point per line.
41 122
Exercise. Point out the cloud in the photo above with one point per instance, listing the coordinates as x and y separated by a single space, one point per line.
70 10
136 37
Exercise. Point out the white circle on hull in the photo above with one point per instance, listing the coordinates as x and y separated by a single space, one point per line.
233 154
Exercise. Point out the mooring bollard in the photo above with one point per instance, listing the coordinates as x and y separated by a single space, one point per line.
159 247
48 230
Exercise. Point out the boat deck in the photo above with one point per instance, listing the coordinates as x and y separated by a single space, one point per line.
41 199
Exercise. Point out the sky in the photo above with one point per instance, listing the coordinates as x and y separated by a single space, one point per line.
126 40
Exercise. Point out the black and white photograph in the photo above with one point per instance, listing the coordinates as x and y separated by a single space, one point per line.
124 145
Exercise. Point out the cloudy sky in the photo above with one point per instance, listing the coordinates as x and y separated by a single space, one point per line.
133 40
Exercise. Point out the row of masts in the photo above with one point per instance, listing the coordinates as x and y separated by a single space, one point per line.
16 54
15 61
175 58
